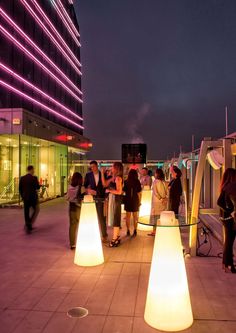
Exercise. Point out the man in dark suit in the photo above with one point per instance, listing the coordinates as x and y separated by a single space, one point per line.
93 186
28 188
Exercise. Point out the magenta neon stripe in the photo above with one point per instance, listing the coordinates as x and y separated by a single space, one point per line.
20 78
39 50
54 29
9 36
39 103
68 18
54 40
66 24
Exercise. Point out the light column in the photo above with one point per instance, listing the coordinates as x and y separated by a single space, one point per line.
168 306
89 250
145 208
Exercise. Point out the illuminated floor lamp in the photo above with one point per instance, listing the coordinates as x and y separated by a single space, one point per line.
145 208
168 306
89 250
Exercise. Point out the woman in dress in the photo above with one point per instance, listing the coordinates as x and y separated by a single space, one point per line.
175 189
159 196
227 204
132 189
74 198
114 188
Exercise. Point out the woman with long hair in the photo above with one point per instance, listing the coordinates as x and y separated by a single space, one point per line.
74 198
132 189
114 187
175 189
159 196
227 204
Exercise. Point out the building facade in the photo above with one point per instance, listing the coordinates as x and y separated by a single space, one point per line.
41 120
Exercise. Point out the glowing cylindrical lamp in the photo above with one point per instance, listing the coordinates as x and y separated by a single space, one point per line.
168 306
145 208
89 250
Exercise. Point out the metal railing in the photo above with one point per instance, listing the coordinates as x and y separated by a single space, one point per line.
9 189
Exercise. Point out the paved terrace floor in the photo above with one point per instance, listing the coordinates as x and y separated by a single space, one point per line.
39 282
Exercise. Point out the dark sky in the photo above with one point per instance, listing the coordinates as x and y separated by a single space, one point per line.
157 71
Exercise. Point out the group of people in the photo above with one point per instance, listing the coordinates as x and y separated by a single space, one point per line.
109 191
100 185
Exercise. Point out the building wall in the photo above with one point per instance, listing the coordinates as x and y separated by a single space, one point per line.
40 55
54 165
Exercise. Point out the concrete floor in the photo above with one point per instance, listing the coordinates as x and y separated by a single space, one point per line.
39 282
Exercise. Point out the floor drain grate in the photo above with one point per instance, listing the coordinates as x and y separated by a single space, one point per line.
77 312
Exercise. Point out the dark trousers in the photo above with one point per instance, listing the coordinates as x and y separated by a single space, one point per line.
229 228
74 215
174 206
30 217
101 217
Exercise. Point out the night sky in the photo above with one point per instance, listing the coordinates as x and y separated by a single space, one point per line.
157 71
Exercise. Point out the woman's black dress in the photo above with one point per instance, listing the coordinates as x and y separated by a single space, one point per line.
227 203
131 195
175 192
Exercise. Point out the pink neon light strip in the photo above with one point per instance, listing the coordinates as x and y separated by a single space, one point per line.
66 24
68 18
54 29
9 36
53 39
20 78
39 50
43 106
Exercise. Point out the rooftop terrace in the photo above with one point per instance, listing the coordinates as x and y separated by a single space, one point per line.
39 282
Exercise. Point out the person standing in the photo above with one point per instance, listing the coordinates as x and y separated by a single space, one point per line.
114 188
159 196
93 185
175 189
227 204
132 189
74 197
28 188
145 179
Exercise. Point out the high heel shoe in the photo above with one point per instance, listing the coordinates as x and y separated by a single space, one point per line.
134 233
230 269
114 242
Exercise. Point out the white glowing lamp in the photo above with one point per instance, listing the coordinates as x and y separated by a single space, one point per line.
145 208
89 250
168 306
